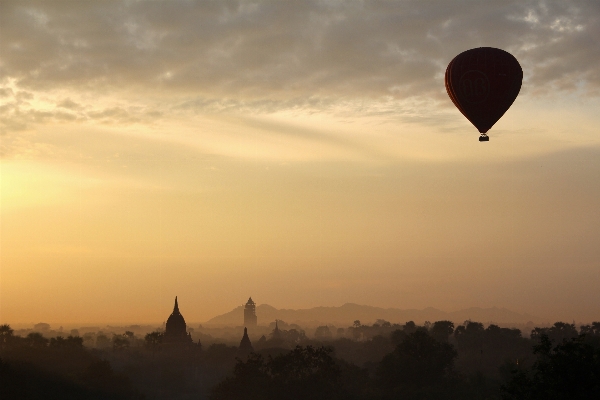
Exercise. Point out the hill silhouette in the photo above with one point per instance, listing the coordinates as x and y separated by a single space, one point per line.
345 315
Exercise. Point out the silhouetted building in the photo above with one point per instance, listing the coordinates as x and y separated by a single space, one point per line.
262 341
245 345
176 329
276 338
250 314
276 334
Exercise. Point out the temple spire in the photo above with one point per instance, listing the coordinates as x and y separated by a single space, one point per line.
176 308
245 345
276 334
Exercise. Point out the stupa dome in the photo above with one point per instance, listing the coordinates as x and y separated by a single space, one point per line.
176 329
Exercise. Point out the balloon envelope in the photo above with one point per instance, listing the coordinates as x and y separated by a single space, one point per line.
483 83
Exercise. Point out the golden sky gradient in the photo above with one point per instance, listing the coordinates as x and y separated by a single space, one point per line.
303 153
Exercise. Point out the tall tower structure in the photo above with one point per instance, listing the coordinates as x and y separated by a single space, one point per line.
250 314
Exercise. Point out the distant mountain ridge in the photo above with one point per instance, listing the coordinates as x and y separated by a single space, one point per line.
349 312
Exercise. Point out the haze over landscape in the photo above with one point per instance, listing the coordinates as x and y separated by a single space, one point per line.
304 153
348 313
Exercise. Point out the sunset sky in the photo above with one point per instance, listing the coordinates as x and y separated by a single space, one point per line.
304 153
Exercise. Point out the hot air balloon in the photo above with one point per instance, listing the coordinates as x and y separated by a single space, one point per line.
483 83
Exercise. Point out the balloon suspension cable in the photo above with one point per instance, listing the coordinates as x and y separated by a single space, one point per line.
484 138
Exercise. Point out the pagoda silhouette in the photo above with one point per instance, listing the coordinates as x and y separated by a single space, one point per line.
245 345
176 329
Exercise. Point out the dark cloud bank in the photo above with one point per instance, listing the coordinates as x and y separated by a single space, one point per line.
291 50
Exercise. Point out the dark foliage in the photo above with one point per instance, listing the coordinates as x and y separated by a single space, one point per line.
25 381
441 330
568 371
57 368
557 333
419 364
303 373
483 350
379 362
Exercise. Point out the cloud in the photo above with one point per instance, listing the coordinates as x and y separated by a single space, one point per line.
69 104
290 52
6 92
21 110
124 63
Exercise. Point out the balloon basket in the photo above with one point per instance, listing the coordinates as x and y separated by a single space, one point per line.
484 138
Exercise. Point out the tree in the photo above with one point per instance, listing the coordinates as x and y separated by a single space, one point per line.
569 371
556 333
441 330
469 337
41 327
307 372
398 337
592 333
88 339
249 381
120 342
410 327
303 373
383 323
294 336
418 361
71 342
35 339
153 340
323 333
102 341
592 330
6 335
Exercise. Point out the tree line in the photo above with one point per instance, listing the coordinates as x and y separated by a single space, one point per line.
373 362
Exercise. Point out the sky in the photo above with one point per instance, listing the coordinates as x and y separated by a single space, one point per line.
302 153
